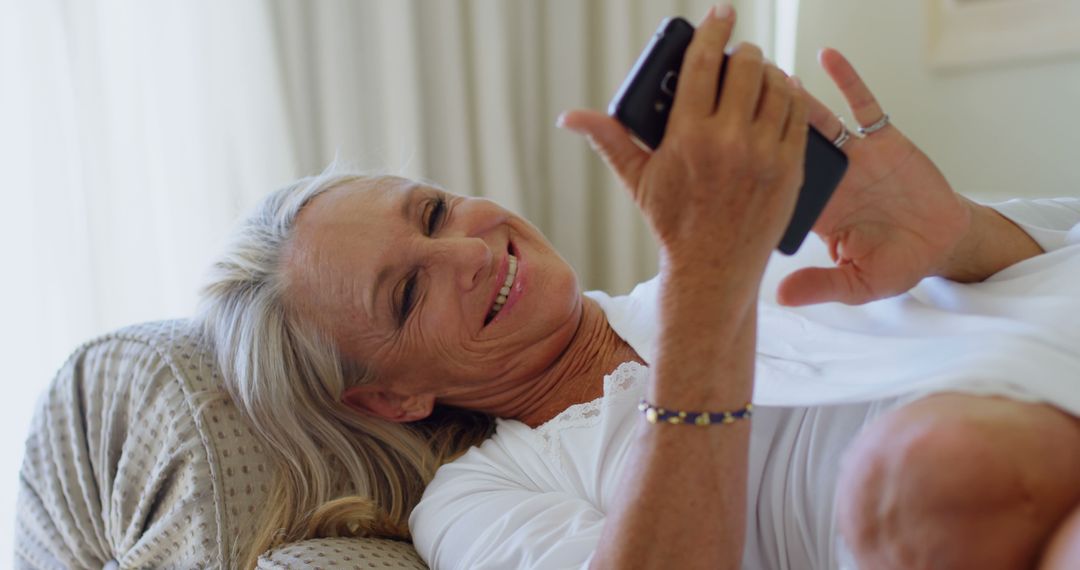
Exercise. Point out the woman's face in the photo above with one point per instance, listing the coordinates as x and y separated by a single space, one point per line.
407 279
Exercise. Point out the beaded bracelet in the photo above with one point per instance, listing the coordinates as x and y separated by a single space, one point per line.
655 415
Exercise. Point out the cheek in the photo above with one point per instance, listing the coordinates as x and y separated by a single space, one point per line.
555 289
439 345
559 307
449 352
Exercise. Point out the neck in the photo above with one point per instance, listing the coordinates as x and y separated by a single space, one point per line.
577 375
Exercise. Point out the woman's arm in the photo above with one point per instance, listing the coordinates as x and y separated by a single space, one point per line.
717 194
992 243
1048 221
684 495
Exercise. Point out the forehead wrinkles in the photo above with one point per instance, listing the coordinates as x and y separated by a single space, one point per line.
335 248
313 292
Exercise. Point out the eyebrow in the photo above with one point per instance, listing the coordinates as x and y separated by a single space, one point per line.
407 204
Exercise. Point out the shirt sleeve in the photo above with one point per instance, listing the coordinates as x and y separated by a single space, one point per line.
1052 222
496 508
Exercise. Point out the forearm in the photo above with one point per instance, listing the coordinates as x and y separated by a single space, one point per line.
682 503
992 243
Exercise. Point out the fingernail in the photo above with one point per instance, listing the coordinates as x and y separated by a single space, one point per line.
560 121
796 81
723 11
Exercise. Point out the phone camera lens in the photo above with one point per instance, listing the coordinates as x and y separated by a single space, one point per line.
668 83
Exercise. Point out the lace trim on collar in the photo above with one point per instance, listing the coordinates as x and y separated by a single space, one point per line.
587 414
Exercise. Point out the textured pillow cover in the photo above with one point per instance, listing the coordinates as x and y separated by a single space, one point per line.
135 459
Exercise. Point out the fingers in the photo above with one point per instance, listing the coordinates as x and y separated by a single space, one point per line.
695 94
820 116
610 140
864 106
797 129
775 103
742 84
821 285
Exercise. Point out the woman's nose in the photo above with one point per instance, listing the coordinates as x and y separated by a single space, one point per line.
468 258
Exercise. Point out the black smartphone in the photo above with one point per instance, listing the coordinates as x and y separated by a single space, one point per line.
643 104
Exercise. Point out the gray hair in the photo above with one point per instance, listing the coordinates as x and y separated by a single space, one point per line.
286 376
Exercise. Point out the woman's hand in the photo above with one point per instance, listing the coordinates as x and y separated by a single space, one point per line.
717 193
893 220
721 187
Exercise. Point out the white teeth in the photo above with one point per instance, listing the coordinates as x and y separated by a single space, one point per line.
504 292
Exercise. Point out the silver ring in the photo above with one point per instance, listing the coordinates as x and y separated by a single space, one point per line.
877 126
842 138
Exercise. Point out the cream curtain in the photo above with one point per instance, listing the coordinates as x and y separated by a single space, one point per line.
136 131
465 93
131 134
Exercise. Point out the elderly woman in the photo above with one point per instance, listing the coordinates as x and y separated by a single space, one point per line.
372 328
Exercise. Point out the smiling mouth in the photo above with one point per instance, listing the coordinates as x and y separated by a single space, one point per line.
504 292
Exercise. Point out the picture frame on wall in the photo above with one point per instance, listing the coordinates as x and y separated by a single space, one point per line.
964 33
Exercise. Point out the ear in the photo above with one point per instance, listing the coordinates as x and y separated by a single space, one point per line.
388 405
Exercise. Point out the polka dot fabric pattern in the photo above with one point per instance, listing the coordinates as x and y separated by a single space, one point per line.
136 458
343 554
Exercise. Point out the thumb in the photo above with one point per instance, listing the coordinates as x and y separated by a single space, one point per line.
610 140
821 285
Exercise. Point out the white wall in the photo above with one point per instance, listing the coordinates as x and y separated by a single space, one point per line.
1002 130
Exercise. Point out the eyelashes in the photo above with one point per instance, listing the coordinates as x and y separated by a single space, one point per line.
437 213
432 219
407 295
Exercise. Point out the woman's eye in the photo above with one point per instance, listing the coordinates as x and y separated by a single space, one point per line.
435 217
407 298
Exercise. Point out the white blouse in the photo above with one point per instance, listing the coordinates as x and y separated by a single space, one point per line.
537 498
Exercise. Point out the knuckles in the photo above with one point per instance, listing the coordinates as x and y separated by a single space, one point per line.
703 60
778 83
707 153
730 151
747 50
